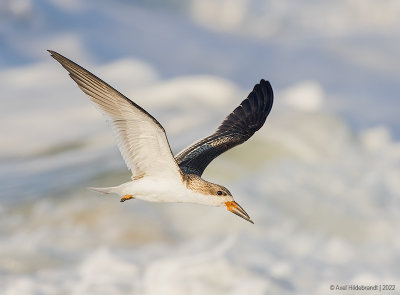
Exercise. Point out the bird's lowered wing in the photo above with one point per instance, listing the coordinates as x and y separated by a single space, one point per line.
238 127
140 137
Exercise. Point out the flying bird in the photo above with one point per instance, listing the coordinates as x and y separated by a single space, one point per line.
158 176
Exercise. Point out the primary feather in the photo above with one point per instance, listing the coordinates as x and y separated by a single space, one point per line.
140 137
237 127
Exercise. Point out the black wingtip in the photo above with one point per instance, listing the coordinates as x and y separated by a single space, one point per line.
251 114
266 88
237 127
265 84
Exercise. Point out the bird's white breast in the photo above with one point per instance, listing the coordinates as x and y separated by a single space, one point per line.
166 190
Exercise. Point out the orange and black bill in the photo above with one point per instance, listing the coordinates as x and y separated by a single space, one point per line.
236 209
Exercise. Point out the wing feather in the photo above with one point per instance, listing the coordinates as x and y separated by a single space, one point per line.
238 127
140 137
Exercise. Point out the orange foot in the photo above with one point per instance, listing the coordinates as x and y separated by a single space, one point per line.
126 197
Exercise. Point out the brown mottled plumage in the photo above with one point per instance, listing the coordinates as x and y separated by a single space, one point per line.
198 184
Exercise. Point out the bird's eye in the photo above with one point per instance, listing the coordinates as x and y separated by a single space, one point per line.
219 193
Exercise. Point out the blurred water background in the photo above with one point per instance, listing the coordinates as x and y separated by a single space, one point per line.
321 180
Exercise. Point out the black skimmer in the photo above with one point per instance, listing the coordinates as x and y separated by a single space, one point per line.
157 175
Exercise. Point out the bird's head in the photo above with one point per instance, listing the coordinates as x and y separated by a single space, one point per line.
218 195
227 200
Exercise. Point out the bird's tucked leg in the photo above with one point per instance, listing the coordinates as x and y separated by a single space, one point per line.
126 197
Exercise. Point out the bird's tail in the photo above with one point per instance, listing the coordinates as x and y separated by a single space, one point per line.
104 190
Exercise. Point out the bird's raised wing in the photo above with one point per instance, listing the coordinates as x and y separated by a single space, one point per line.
140 137
238 127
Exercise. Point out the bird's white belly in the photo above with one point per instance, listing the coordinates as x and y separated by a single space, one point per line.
159 190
